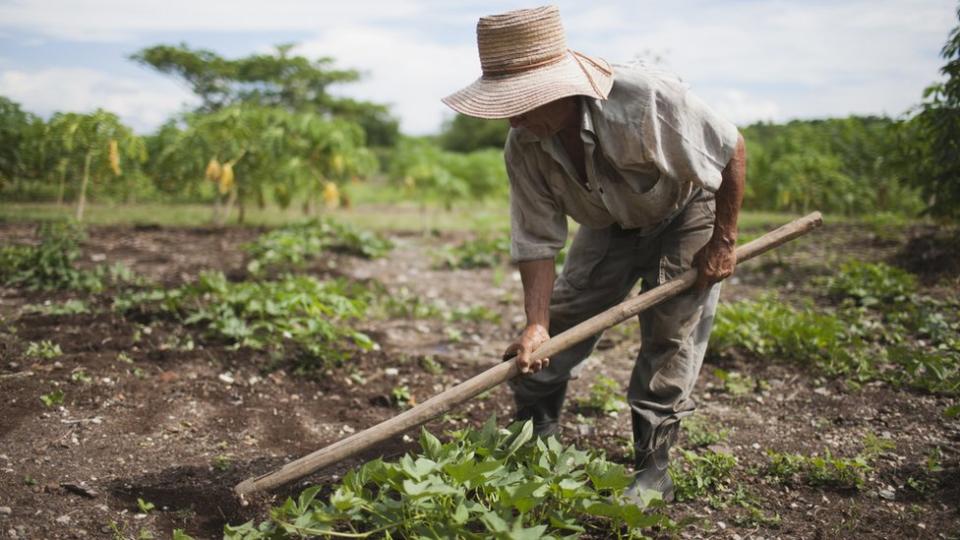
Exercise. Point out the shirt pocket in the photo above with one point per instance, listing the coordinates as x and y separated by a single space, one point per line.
640 178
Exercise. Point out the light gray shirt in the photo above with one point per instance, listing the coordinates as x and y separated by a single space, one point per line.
647 147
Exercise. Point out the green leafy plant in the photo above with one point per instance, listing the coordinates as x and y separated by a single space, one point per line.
699 432
696 475
871 284
315 315
49 264
53 399
401 396
145 507
45 349
825 470
70 307
490 483
222 462
605 396
480 252
736 384
293 245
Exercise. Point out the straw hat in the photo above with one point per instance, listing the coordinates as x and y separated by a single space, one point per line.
526 64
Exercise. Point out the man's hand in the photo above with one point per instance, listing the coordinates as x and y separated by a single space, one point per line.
532 337
715 261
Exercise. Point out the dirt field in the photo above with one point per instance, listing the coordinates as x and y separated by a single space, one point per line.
171 417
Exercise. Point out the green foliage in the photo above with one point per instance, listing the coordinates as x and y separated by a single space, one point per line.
736 384
699 432
314 315
931 142
44 349
431 174
145 506
481 252
605 396
871 284
825 470
293 245
463 133
50 264
53 399
492 483
275 79
69 307
894 335
841 165
697 475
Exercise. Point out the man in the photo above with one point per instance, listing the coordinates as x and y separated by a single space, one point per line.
654 178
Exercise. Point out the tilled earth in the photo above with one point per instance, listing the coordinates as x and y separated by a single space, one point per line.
170 417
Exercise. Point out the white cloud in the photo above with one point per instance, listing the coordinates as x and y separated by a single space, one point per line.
405 70
741 108
118 20
142 104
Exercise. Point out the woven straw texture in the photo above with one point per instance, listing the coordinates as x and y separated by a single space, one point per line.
526 64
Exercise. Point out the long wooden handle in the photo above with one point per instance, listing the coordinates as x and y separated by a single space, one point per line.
505 371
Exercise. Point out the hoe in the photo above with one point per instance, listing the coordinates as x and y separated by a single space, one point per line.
504 371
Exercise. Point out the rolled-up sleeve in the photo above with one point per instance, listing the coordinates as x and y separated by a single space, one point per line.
538 225
684 137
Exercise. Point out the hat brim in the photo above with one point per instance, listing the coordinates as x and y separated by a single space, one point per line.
503 96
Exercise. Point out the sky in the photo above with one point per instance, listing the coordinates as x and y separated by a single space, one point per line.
752 60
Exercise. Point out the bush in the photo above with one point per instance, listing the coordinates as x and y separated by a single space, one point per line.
50 264
491 483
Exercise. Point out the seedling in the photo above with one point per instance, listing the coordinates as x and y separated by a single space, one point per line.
222 462
699 433
145 506
605 396
80 376
45 349
696 475
53 399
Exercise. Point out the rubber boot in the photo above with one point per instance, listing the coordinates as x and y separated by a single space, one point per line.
543 410
652 462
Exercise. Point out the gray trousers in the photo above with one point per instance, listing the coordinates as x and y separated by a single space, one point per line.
601 268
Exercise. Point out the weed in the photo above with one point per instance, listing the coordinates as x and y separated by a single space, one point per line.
80 376
53 399
44 349
825 470
430 365
697 475
124 357
501 483
873 446
401 397
70 307
178 534
312 314
50 264
605 396
145 507
293 245
480 252
477 313
736 384
699 433
871 284
222 462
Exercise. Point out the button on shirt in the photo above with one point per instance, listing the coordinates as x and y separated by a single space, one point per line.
647 147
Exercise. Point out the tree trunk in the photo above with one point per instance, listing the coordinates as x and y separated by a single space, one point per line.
82 201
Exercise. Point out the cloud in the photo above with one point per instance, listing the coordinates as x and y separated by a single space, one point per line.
121 20
406 70
141 104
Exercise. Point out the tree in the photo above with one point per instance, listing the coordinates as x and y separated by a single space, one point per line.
933 136
465 134
97 143
280 79
20 144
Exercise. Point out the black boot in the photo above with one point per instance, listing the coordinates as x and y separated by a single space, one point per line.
652 461
543 410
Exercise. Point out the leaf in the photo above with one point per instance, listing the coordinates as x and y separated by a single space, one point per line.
952 411
461 514
522 438
430 444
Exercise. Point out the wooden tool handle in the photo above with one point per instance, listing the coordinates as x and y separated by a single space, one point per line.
505 371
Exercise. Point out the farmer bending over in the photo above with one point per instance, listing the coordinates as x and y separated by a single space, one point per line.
655 179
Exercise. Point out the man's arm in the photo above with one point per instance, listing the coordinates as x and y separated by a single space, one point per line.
537 277
717 259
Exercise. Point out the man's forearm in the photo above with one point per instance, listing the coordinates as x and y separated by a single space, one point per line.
730 196
537 277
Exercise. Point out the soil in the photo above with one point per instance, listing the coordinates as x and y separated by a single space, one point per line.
174 418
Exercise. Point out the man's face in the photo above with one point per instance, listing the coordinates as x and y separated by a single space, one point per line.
546 120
